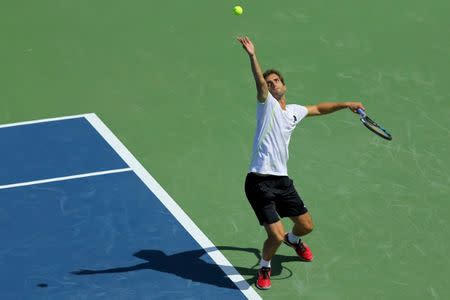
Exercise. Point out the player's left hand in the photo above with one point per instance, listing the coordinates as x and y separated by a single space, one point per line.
247 45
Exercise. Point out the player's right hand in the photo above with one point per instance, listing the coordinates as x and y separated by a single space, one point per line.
353 106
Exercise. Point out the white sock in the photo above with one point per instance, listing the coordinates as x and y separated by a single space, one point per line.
293 238
264 263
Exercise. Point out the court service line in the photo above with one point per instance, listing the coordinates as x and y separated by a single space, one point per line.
14 185
173 207
42 121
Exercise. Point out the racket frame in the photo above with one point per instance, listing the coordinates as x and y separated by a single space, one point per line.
369 123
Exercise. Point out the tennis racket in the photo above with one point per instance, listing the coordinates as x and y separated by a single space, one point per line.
373 126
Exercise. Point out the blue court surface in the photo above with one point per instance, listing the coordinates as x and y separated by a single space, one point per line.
80 218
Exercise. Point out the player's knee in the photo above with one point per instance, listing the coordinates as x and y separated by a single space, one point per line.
280 238
277 238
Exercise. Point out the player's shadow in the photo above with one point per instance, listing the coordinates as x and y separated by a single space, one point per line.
189 265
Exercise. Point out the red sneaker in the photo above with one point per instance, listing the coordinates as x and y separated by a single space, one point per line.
301 248
263 281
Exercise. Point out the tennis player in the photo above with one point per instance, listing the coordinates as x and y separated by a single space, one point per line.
269 190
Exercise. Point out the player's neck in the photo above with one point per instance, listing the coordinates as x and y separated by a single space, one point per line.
282 102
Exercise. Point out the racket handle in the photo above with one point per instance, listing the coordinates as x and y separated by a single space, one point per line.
361 112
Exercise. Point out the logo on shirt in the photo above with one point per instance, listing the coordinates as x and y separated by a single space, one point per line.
295 119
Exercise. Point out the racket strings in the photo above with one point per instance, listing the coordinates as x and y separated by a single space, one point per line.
372 125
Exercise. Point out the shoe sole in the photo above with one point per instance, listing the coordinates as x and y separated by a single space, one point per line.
263 288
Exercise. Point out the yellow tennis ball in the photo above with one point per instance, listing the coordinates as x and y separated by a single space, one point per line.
238 10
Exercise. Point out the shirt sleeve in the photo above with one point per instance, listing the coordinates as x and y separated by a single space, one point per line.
268 104
270 100
300 112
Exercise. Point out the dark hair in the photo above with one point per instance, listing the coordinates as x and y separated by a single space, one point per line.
273 71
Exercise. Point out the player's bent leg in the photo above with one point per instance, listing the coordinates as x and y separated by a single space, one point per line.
303 225
275 236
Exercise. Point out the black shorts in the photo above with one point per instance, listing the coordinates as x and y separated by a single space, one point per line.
272 197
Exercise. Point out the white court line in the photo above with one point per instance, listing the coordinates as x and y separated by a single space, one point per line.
9 186
173 207
42 120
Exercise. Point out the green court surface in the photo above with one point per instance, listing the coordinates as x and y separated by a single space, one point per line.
170 80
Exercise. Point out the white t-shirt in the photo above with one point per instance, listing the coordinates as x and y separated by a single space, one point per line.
273 133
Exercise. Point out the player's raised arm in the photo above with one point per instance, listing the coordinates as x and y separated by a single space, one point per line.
329 107
261 85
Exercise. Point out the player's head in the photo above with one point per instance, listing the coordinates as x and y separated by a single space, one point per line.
275 82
